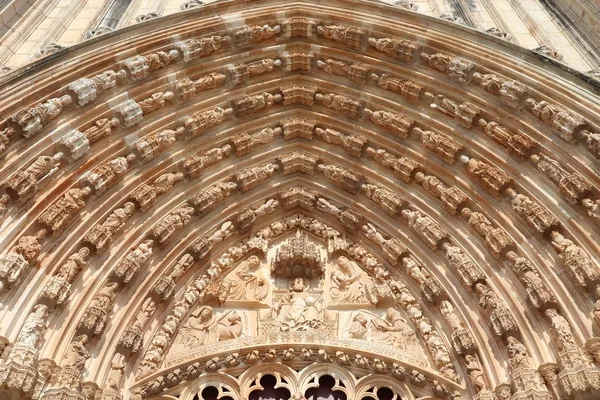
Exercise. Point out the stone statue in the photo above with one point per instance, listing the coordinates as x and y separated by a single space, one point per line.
145 195
212 196
349 285
164 230
404 50
592 140
397 124
96 315
247 284
127 269
353 143
348 35
23 185
582 268
17 261
203 120
475 373
593 209
4 199
73 363
194 49
538 218
358 327
31 120
250 178
6 135
497 240
139 67
501 319
58 288
426 228
31 331
155 102
100 237
348 179
250 105
101 129
357 72
537 292
244 143
492 178
442 145
151 146
57 216
393 330
573 186
105 175
194 165
300 312
561 331
350 107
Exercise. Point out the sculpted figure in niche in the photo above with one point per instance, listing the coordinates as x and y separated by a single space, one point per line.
247 285
572 186
58 215
155 102
300 312
73 362
101 128
348 283
32 329
393 330
593 208
203 327
575 259
96 315
358 328
23 184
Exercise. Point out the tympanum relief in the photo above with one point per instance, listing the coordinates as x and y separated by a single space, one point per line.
299 288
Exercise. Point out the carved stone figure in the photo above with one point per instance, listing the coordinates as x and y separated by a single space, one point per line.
348 284
404 50
298 60
584 270
453 199
518 143
592 141
165 286
96 315
298 127
23 184
398 124
139 67
475 373
358 327
241 72
501 319
497 240
537 292
74 143
105 175
203 120
188 5
167 227
212 196
353 143
348 35
250 178
17 261
246 35
298 161
73 363
131 339
100 237
356 72
300 312
566 123
393 330
390 202
593 209
573 186
403 167
441 144
30 121
411 90
462 340
4 199
426 228
145 195
57 290
247 284
561 331
250 105
538 218
491 83
438 61
350 107
151 146
467 270
494 179
348 179
101 129
244 143
58 215
155 102
6 135
193 49
194 165
126 270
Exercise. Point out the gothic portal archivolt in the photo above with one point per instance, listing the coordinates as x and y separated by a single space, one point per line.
270 199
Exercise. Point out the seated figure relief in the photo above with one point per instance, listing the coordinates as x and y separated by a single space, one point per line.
205 327
301 311
247 282
349 284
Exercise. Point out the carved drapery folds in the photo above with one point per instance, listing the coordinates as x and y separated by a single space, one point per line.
31 120
565 123
23 184
426 228
457 68
350 36
203 120
140 67
573 186
194 165
144 196
16 263
404 50
58 289
193 49
56 217
538 218
396 123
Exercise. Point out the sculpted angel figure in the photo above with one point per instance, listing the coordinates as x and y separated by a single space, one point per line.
248 285
76 354
347 283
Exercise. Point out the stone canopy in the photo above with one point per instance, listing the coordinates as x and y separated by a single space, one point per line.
255 199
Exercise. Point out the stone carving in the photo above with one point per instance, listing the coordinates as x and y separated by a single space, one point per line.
101 129
537 292
301 311
147 17
427 229
187 88
592 141
127 270
348 179
298 196
203 327
58 289
350 107
96 315
407 5
356 72
129 113
393 330
457 68
244 143
241 72
538 218
165 286
518 143
133 335
84 90
491 83
348 35
299 257
467 270
299 26
429 285
4 199
144 196
411 90
247 284
453 199
250 178
298 127
390 202
442 145
501 320
550 53
492 178
193 49
573 186
23 184
475 373
352 144
74 143
566 123
113 382
140 67
526 380
497 240
466 114
48 50
105 175
593 209
203 120
31 120
404 50
99 31
393 249
164 230
212 196
188 5
450 17
404 167
58 215
72 366
398 124
249 105
195 165
462 340
584 270
298 161
100 237
247 35
17 261
513 93
298 94
155 102
561 331
349 285
6 135
152 145
298 60
493 31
